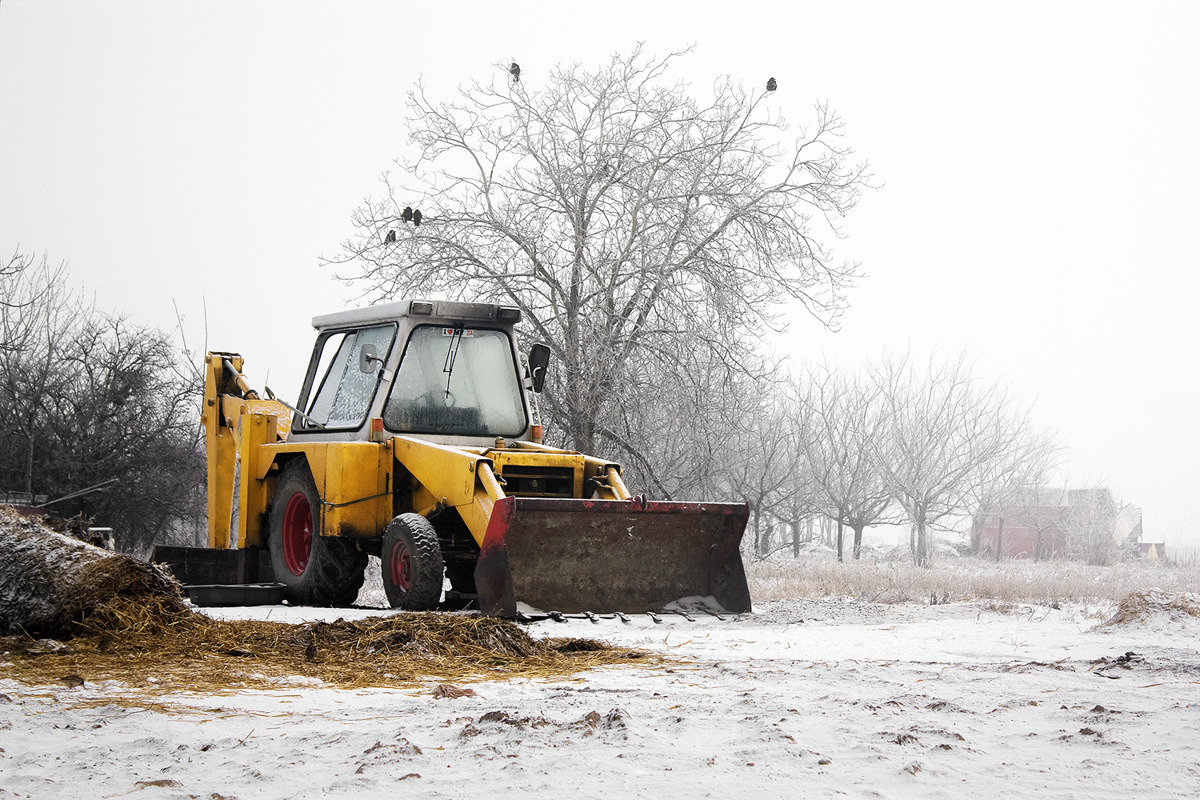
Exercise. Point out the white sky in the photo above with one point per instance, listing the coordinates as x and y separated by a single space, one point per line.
1037 164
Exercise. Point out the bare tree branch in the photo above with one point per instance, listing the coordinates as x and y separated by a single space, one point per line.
629 221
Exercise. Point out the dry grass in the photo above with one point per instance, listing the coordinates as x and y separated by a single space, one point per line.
963 579
151 645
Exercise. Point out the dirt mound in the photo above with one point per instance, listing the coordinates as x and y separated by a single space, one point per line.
1140 608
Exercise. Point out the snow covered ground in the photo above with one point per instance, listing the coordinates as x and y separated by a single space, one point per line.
812 698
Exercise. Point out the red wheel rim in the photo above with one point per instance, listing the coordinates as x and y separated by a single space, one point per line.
401 568
297 534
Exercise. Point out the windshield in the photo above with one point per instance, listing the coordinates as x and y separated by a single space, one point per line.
460 381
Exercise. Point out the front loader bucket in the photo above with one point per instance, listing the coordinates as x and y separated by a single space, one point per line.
610 555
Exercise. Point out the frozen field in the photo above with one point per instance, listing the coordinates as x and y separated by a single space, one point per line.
813 698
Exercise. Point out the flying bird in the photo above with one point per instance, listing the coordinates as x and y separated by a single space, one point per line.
408 214
416 215
771 85
514 69
390 238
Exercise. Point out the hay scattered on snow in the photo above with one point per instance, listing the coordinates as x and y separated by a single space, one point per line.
126 621
197 653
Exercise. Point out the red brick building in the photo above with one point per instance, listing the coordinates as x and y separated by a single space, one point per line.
1050 523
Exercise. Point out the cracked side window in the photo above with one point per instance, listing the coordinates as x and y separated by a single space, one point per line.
346 391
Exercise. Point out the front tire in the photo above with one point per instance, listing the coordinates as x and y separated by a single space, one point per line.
412 564
317 570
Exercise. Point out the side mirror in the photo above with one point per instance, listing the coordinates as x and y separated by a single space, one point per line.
368 357
539 359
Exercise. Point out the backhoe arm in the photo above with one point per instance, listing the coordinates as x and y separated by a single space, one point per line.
236 422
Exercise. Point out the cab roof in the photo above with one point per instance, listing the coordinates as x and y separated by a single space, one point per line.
387 312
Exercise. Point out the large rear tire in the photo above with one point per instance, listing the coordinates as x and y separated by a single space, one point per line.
412 564
317 570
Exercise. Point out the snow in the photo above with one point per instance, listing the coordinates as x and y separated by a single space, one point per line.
814 698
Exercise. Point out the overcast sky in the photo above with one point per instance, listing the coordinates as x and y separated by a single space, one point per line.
1037 166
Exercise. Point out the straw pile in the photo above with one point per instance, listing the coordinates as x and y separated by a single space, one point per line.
1141 607
50 582
144 635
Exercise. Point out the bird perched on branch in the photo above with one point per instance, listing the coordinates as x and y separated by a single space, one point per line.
416 215
514 69
390 238
408 214
771 85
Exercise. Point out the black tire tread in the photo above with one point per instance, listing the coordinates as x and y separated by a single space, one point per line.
426 555
336 567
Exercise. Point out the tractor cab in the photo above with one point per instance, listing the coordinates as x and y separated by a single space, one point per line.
437 370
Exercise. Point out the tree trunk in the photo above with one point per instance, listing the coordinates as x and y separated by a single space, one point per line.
922 543
49 582
840 526
999 538
858 529
758 539
29 461
795 538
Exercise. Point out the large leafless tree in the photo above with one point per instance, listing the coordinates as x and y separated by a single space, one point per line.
683 425
37 315
946 429
631 222
1089 525
761 463
842 426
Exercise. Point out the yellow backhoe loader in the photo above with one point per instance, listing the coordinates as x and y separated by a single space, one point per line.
414 440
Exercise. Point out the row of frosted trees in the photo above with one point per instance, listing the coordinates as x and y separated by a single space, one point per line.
898 441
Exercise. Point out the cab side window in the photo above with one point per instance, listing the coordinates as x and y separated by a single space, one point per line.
345 392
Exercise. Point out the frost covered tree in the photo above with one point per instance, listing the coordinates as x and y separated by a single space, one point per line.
1002 485
761 463
945 430
1089 524
685 426
843 425
637 226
